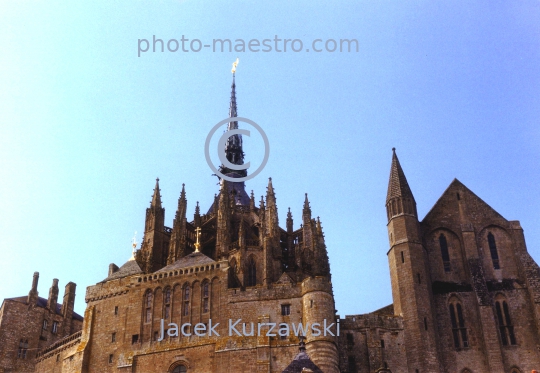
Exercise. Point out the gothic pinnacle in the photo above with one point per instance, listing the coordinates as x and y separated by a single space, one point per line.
307 208
252 201
319 227
156 198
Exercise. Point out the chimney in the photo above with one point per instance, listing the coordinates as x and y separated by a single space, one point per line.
67 307
33 294
53 296
112 268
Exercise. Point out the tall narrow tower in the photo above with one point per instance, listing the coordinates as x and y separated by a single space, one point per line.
409 273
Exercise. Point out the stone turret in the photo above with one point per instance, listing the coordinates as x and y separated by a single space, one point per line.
409 273
318 307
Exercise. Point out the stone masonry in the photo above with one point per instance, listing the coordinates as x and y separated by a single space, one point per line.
466 294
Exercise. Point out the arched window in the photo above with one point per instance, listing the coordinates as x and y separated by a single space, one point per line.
180 369
251 272
167 303
515 370
459 331
206 297
444 253
493 251
187 290
506 328
148 304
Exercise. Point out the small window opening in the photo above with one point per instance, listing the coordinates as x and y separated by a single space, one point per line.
285 309
402 258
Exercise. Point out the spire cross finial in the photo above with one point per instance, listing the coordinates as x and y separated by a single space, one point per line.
197 234
302 344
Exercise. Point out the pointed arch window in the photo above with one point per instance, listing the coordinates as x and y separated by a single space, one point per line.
167 303
148 304
251 272
444 253
493 251
506 328
187 291
459 331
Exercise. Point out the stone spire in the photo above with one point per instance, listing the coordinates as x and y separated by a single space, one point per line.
156 198
182 204
321 265
152 256
308 225
272 220
197 215
307 209
233 149
252 201
397 185
289 221
178 236
399 199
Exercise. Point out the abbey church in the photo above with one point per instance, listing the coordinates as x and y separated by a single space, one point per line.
466 294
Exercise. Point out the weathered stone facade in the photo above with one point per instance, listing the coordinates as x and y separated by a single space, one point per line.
466 293
31 324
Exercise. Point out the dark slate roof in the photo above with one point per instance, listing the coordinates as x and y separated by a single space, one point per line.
398 185
128 269
190 260
238 190
301 361
42 302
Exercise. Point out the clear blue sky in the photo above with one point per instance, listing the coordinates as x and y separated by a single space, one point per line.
86 125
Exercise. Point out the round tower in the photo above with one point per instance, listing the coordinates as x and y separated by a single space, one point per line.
318 308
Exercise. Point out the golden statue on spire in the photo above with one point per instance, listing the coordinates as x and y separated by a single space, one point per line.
234 64
134 245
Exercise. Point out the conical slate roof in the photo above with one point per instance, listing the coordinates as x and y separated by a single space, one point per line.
300 362
397 185
193 259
